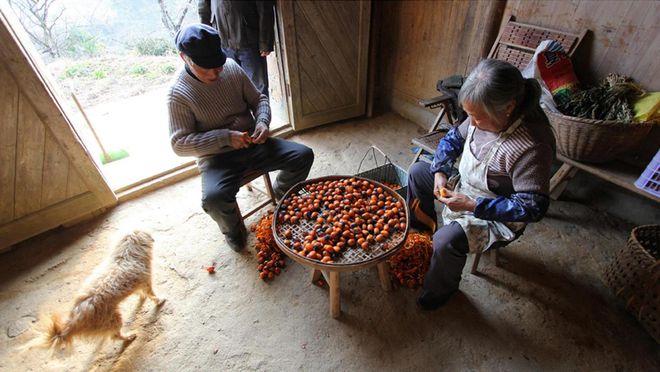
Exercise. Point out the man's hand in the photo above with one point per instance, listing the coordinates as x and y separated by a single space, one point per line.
456 201
239 140
260 134
440 181
264 53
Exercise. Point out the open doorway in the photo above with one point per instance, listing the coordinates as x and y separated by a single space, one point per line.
116 58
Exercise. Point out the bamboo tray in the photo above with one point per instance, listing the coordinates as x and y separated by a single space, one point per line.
350 259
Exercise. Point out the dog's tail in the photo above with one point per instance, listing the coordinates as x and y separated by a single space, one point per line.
56 335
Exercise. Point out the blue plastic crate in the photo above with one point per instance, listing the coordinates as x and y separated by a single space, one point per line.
649 181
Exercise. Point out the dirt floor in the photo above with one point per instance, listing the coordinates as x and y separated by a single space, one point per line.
545 308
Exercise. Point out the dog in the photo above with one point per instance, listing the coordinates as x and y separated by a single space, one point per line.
95 311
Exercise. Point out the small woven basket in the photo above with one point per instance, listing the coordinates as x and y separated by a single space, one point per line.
595 141
634 277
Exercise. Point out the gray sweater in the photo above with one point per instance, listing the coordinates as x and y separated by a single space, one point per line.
201 115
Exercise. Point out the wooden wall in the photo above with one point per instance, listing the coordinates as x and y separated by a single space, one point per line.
625 35
423 41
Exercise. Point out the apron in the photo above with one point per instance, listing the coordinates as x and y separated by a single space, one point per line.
473 183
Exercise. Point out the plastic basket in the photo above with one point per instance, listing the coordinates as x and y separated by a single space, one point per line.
388 172
649 181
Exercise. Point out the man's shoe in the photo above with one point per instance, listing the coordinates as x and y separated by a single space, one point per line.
428 301
236 241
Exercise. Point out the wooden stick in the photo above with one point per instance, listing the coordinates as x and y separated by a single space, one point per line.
89 125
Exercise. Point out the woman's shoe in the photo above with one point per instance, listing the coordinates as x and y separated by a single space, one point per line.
428 301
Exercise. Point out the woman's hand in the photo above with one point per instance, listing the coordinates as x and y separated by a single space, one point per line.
439 183
239 140
456 201
260 134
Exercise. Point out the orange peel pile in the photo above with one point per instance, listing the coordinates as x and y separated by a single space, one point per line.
270 259
410 264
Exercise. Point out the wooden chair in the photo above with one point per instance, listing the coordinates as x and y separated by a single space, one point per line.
247 182
516 44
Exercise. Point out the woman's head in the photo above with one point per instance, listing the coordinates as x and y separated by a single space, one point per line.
495 93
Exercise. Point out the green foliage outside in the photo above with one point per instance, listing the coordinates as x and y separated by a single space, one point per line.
80 43
153 46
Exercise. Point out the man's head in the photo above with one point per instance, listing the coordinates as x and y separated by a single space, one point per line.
199 47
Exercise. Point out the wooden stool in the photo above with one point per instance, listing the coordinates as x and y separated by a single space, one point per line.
332 278
247 179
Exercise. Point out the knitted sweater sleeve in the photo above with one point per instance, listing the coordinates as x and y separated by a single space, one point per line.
187 141
258 103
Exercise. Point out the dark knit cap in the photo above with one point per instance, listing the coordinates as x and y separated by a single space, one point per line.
202 44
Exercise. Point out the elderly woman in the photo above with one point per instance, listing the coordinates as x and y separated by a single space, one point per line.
506 148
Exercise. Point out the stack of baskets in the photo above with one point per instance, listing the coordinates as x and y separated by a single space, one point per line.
595 141
634 277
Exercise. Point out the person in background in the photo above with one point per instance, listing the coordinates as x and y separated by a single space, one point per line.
506 147
247 32
217 115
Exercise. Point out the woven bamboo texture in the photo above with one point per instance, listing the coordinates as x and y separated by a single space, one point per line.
634 277
595 141
350 258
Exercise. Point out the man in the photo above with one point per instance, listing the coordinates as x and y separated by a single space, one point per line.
218 116
247 32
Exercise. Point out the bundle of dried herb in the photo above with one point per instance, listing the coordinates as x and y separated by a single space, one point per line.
611 100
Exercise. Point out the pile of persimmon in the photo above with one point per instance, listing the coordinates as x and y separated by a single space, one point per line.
270 259
347 213
410 264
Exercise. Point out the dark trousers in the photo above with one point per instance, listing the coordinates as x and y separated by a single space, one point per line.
253 64
450 245
223 174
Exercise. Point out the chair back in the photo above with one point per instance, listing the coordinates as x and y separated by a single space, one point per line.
517 42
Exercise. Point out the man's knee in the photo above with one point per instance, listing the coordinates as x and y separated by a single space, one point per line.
306 155
219 198
301 157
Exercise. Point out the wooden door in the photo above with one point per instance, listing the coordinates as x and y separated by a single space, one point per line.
326 48
46 177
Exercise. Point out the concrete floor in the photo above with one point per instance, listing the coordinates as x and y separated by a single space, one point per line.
545 308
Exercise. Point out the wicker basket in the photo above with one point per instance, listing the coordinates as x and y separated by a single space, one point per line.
595 141
634 277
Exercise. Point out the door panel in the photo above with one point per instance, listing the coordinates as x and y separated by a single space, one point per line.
326 54
46 176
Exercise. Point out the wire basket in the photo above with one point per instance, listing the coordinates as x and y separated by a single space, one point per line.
649 181
387 173
634 277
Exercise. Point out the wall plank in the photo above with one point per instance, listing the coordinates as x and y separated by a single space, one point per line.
75 184
8 127
29 159
625 34
424 41
55 173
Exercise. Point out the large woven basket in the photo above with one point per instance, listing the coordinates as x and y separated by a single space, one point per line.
595 141
634 277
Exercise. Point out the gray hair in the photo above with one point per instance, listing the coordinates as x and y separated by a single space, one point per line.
494 83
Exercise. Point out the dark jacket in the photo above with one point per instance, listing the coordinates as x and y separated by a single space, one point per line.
241 24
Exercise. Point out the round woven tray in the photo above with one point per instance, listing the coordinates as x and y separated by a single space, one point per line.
350 259
634 276
595 141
